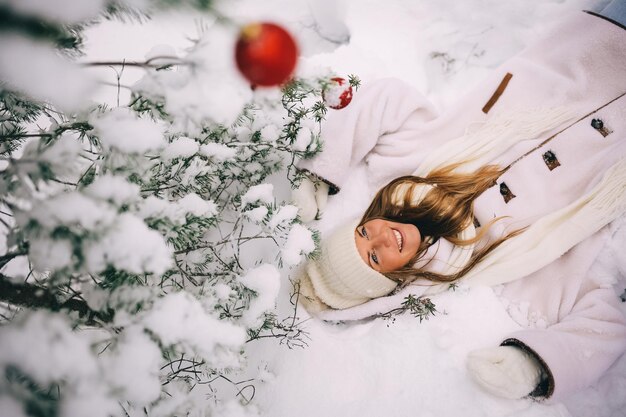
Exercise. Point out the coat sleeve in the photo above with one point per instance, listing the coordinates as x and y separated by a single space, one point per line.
585 329
379 108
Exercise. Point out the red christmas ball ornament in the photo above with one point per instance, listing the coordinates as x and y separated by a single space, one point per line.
266 54
338 93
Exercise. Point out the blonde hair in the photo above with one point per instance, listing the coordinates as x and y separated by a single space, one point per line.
445 211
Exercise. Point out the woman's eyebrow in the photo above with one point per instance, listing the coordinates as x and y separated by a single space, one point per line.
369 254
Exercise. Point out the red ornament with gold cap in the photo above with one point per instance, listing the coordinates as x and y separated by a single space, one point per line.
265 54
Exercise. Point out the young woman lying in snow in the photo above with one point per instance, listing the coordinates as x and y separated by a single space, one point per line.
514 185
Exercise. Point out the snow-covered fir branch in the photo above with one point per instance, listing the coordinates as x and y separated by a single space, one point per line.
130 280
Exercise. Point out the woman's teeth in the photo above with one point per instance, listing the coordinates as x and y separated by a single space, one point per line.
398 239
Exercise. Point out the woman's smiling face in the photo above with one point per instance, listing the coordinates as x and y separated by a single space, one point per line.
387 246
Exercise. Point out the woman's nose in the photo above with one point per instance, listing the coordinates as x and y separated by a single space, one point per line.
383 239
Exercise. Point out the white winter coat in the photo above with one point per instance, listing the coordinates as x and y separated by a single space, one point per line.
582 64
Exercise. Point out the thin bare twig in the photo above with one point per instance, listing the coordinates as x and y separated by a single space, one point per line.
141 64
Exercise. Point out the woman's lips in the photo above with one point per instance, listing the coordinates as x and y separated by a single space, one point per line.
403 238
399 238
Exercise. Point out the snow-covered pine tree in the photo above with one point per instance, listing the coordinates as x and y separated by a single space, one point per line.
131 274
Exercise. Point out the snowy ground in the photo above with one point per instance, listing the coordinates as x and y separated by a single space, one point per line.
378 368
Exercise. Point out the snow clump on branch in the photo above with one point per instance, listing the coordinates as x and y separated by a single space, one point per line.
299 242
180 319
130 246
120 129
261 193
41 73
264 280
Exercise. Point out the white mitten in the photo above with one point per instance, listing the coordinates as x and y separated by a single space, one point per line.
506 371
304 198
321 196
310 198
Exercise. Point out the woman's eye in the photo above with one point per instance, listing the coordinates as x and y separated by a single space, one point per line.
374 258
364 232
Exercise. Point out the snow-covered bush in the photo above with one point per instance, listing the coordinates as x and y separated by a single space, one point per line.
130 275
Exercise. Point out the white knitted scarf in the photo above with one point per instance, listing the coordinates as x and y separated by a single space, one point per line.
545 240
